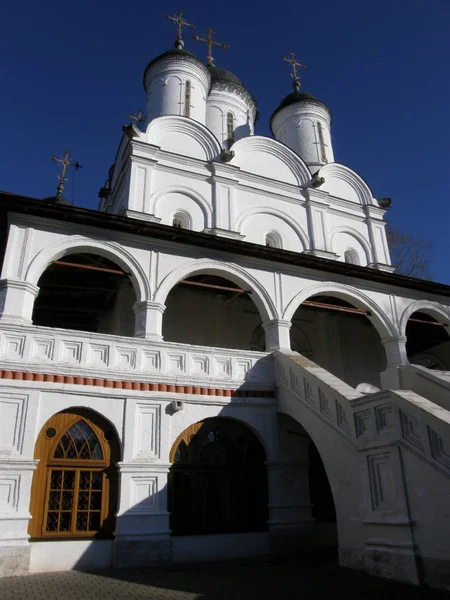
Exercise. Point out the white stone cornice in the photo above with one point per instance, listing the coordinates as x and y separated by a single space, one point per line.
140 216
234 235
141 465
382 267
17 463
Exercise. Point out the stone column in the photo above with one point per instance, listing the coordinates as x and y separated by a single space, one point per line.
148 320
396 357
17 301
277 334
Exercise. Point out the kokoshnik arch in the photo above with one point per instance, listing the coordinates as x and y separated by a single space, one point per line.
219 361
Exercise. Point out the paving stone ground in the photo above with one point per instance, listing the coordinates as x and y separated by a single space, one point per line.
275 579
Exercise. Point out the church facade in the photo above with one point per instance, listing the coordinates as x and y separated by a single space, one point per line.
220 361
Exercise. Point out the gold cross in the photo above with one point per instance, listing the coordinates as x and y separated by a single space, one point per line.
294 75
65 162
180 23
210 41
137 117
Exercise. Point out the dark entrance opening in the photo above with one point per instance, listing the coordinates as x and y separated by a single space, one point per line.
218 480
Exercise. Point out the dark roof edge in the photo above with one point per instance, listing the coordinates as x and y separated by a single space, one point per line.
10 202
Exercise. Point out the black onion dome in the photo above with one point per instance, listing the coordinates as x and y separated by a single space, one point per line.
293 99
176 52
58 199
219 74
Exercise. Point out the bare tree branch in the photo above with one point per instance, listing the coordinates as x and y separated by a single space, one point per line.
411 256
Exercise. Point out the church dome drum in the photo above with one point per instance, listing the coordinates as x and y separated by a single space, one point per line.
302 122
231 110
177 83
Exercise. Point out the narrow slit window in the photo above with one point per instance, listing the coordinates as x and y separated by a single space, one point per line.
187 99
323 155
230 128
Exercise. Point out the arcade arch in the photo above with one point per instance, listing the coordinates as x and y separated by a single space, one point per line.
341 338
208 310
86 292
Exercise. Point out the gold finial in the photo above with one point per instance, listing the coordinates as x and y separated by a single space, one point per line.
178 19
294 74
210 41
138 117
65 162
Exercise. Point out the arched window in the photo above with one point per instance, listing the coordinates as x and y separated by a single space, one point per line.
187 99
74 491
230 128
181 220
323 155
218 480
273 240
351 257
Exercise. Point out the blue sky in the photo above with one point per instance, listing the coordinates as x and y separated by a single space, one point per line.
71 73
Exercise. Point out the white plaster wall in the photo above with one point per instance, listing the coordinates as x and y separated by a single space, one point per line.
263 174
168 205
71 554
257 226
344 241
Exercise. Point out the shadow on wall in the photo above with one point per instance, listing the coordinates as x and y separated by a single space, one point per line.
216 497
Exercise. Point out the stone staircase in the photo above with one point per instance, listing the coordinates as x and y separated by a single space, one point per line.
387 457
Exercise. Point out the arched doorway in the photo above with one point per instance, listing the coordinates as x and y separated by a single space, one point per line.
85 292
208 310
218 480
428 341
340 338
74 489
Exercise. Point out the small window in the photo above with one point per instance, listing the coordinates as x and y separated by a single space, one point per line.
181 221
351 257
187 99
230 128
273 240
323 155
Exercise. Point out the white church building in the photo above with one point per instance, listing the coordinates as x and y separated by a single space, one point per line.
220 361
